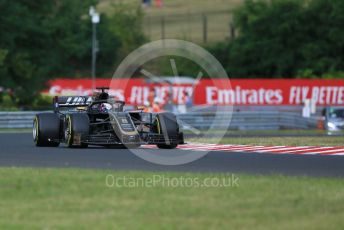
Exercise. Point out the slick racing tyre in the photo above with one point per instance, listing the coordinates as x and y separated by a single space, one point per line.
167 125
46 130
76 128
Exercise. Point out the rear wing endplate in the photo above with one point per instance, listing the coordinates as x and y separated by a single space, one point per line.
71 101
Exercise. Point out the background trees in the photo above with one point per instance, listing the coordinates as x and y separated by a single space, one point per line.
286 38
41 40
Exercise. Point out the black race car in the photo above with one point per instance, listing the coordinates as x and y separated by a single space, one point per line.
80 121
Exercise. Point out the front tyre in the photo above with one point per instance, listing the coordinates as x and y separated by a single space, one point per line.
166 124
46 130
77 127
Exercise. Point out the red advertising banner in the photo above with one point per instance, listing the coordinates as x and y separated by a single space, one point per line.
217 92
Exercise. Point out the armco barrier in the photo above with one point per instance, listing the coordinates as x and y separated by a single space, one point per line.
14 120
248 120
243 120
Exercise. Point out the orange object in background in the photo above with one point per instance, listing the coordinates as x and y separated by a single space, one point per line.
320 124
156 108
147 109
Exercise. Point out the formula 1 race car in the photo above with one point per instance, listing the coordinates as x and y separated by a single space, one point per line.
80 121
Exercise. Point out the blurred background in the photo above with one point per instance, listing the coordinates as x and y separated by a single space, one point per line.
285 58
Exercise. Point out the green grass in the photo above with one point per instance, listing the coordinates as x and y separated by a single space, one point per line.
3 130
79 199
265 132
304 138
183 19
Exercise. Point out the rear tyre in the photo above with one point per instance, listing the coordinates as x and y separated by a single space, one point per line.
77 127
167 125
46 130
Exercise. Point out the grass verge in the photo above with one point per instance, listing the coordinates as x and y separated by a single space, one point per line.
78 199
15 130
239 133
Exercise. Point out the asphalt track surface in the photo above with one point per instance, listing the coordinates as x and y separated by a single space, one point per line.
18 150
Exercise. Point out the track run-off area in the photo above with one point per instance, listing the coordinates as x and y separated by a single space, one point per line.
18 150
299 150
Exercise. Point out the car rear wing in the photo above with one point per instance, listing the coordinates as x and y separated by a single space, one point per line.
71 101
